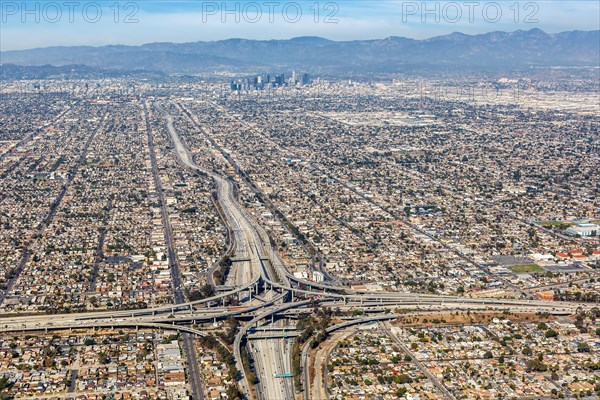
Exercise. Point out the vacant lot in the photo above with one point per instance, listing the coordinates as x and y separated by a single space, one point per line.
528 268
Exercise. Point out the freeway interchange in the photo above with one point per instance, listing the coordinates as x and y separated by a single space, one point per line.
269 296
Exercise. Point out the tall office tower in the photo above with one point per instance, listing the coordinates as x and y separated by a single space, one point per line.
306 79
280 79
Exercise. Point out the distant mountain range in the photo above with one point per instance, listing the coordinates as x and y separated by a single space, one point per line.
12 71
519 49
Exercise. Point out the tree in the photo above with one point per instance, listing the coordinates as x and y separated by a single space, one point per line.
542 326
583 347
103 358
402 379
4 383
231 331
233 392
551 333
252 378
536 365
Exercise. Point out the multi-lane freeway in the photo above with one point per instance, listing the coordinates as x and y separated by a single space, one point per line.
271 292
245 239
272 358
248 251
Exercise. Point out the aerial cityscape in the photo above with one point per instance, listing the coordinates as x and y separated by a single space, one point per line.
300 218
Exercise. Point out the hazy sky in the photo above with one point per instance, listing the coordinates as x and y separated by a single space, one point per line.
28 24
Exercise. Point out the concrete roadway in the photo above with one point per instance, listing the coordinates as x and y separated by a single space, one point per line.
61 321
267 364
245 237
250 242
272 357
193 369
258 235
327 299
